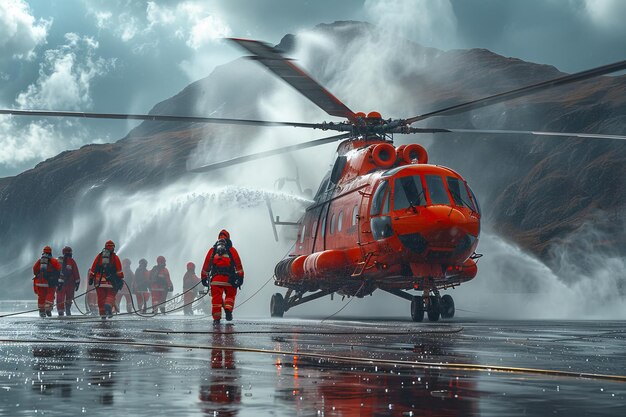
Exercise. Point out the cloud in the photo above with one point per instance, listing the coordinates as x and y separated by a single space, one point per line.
66 76
20 32
27 143
193 22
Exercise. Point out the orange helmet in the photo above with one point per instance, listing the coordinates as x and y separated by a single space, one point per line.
191 266
47 249
160 260
223 233
109 244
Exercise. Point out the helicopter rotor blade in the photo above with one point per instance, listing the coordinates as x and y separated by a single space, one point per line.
272 152
521 92
159 118
519 132
284 68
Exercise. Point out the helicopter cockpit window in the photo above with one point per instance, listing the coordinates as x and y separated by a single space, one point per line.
437 190
459 193
408 192
475 200
377 200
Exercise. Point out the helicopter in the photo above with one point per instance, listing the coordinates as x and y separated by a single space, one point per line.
383 217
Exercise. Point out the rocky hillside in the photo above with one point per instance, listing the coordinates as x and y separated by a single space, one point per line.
535 191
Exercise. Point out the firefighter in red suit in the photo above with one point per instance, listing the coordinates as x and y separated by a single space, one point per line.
222 270
69 282
125 291
160 285
190 281
141 285
45 282
107 276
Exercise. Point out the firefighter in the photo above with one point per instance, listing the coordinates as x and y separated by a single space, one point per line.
141 285
46 273
91 298
69 281
190 280
129 278
107 276
222 270
160 285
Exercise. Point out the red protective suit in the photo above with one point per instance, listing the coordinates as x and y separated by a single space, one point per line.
102 274
160 285
190 280
141 287
45 283
129 278
71 280
218 268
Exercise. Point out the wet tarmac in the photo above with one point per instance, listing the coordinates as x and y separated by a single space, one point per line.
180 365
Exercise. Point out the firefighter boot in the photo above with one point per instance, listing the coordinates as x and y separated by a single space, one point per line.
60 313
216 322
49 313
42 313
229 315
68 309
162 310
108 310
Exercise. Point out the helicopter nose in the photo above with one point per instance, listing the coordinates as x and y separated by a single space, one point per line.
440 232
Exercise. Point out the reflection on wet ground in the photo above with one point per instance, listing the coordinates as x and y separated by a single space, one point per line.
184 366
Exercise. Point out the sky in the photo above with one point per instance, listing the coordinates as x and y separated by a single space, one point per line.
124 56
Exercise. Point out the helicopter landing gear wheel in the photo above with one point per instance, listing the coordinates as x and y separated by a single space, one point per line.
277 305
433 308
417 308
446 307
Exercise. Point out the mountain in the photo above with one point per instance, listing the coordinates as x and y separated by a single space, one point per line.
536 192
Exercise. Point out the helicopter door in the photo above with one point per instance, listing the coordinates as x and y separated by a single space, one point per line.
380 222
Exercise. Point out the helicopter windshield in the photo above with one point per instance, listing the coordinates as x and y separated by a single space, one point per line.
437 190
460 193
408 192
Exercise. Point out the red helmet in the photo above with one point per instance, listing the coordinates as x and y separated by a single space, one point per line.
109 244
67 249
191 266
47 249
160 260
223 233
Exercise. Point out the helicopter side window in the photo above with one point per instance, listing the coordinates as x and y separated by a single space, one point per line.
459 193
377 200
303 232
437 190
332 224
386 202
314 229
339 221
408 192
355 213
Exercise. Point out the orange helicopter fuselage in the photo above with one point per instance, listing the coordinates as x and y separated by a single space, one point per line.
384 216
